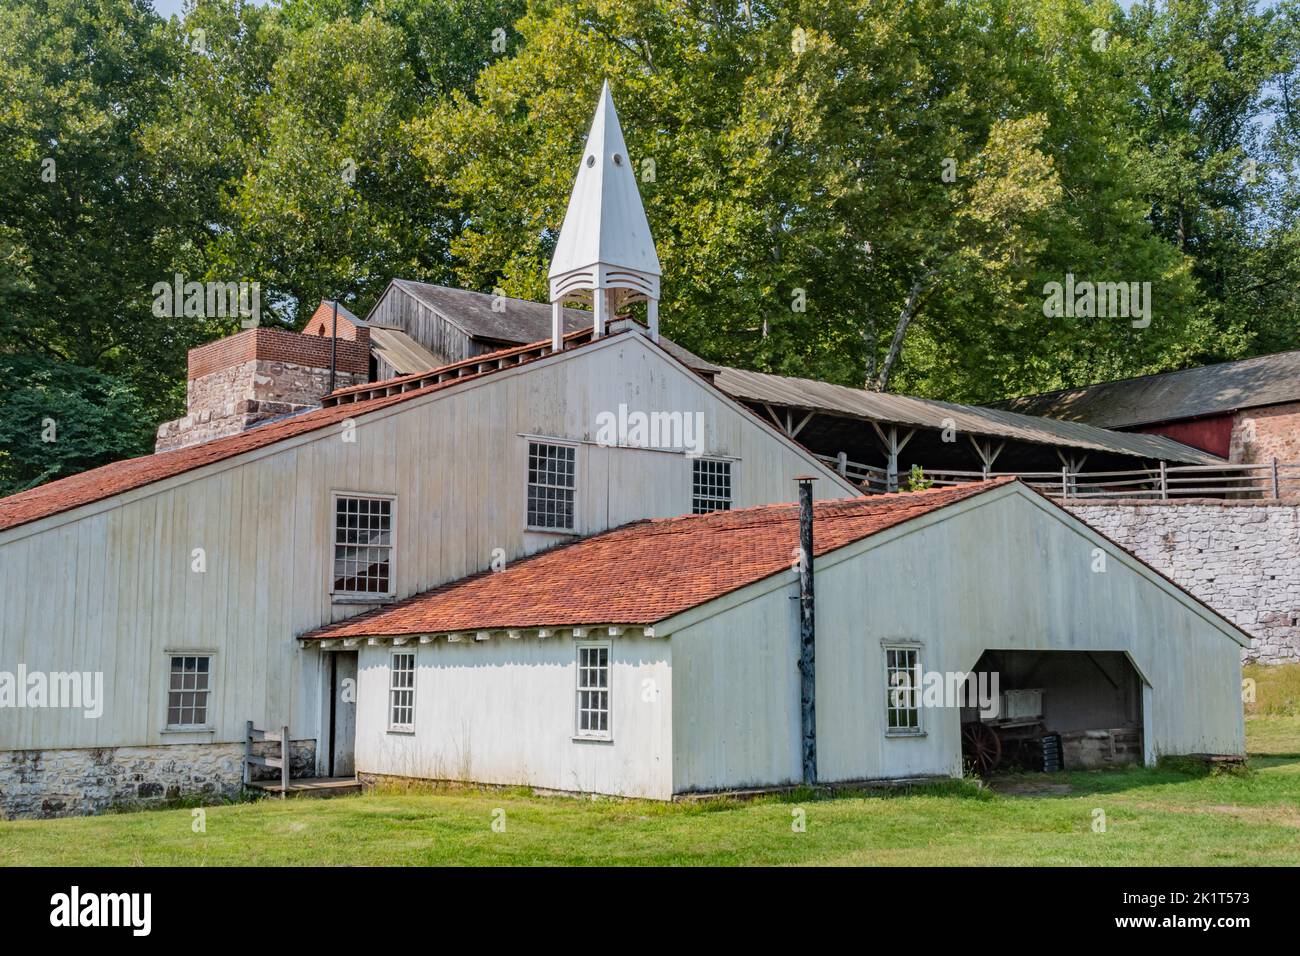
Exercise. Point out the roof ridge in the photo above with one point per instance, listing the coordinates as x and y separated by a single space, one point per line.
1138 378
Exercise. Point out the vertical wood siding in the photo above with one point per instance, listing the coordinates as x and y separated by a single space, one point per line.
110 588
1002 571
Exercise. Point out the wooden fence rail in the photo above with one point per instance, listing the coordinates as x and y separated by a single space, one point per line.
1272 479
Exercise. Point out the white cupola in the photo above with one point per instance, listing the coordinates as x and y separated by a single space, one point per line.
605 255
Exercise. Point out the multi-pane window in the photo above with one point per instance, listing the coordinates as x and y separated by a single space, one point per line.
902 691
551 470
593 690
363 545
401 691
710 486
189 682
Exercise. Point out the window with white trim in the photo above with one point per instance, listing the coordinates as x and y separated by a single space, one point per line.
401 691
710 485
552 471
363 546
189 685
593 691
902 690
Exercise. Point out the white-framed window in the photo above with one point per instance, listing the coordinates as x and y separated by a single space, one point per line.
363 546
593 691
189 690
401 692
710 485
902 690
552 478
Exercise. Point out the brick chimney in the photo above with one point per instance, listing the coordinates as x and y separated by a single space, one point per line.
260 374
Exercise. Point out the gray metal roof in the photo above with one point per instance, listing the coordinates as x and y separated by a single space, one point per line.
882 407
1172 396
401 352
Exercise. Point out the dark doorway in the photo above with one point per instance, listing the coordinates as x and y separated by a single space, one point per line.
1083 708
343 713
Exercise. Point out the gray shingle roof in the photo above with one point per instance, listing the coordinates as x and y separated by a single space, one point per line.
521 323
1172 396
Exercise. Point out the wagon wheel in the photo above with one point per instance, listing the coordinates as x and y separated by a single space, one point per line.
982 746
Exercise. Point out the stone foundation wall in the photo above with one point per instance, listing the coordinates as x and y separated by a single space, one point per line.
1240 557
1098 749
55 783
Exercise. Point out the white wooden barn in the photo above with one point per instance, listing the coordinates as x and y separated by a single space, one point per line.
382 576
662 658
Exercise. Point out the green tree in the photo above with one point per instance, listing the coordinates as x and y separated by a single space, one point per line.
909 175
78 82
57 419
1212 82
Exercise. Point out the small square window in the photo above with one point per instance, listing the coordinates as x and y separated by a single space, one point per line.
710 486
552 471
189 685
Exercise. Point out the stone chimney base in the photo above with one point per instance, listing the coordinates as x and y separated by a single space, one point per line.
255 376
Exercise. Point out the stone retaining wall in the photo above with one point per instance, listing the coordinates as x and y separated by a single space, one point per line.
1240 557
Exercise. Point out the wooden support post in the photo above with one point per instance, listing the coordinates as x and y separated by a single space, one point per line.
893 447
807 634
284 762
1276 485
557 326
652 318
1164 480
842 464
1065 482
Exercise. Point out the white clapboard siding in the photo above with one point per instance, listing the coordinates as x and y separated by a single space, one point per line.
503 711
108 587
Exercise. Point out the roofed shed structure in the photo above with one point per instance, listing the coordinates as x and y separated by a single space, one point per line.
1247 411
877 436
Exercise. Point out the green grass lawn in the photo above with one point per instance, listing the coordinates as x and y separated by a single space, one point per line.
1160 817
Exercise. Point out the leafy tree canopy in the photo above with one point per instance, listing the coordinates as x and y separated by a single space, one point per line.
874 192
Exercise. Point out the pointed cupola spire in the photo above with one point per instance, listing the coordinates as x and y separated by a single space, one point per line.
605 255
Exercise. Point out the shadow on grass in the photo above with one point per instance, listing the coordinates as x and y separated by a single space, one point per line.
1172 771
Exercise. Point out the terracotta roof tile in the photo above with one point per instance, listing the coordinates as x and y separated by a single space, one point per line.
644 572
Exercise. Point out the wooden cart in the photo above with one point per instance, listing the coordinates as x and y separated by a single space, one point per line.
1013 737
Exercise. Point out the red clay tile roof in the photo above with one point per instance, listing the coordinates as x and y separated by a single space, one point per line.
108 480
646 571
